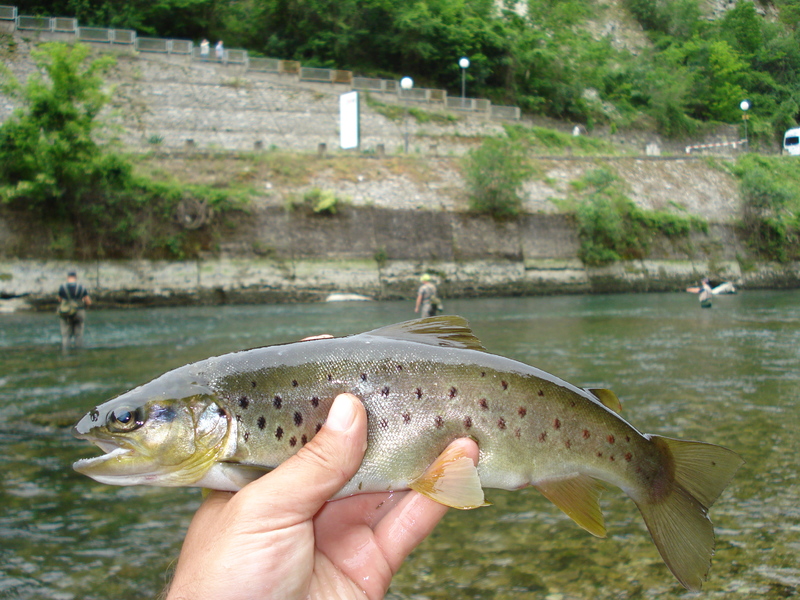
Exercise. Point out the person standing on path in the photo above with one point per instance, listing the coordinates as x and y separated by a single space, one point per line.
73 300
427 300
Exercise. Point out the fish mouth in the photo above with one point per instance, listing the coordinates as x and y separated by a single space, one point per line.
87 466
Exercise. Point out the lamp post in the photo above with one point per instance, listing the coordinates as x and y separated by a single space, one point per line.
464 64
406 83
745 106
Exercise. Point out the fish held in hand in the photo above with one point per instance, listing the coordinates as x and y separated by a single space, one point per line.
224 421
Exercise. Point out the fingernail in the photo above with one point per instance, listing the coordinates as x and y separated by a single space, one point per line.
342 414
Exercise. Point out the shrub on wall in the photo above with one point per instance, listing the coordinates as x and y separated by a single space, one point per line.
494 173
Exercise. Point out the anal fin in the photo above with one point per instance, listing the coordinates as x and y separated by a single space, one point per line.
578 498
452 480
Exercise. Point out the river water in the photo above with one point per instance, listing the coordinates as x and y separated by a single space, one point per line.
728 375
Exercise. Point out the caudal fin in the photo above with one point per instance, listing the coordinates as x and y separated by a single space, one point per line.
678 519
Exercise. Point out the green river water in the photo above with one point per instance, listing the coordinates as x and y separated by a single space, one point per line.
727 375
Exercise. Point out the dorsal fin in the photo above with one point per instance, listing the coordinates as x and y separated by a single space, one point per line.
448 331
607 398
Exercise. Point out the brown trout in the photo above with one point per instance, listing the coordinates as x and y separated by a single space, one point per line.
222 422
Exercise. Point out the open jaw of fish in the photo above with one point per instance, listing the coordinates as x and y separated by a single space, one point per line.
226 420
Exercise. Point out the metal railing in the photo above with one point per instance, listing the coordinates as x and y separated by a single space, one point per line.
506 112
99 35
315 74
163 46
34 23
265 65
422 95
237 57
8 13
65 25
474 104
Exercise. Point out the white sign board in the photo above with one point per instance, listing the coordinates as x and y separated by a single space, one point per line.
348 120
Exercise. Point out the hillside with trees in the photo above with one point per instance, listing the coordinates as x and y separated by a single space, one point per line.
560 58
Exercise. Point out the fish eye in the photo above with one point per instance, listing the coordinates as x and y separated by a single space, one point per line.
125 420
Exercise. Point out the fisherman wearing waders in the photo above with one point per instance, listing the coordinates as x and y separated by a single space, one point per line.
72 302
427 300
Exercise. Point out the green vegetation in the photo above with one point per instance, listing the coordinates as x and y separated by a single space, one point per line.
318 202
612 227
85 194
494 173
687 71
770 189
397 112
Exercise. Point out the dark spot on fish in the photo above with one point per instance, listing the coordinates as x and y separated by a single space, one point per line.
586 434
221 412
363 377
627 438
610 439
385 391
95 414
628 456
318 427
567 444
253 383
314 401
399 367
522 411
468 422
384 423
330 377
244 402
406 418
277 401
543 436
501 423
483 404
246 435
419 393
611 458
293 441
303 439
360 484
572 403
298 419
294 383
453 392
556 424
483 373
600 454
517 433
439 421
279 432
541 393
262 422
504 384
239 418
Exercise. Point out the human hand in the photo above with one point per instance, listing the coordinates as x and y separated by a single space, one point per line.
278 537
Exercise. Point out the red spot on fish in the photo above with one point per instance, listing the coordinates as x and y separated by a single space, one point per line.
314 401
385 390
586 434
303 440
277 401
406 418
628 456
611 458
244 402
568 444
293 441
468 422
504 384
541 393
600 454
262 422
556 424
483 403
522 411
384 423
610 439
439 422
543 436
298 419
419 393
294 383
501 423
279 432
453 392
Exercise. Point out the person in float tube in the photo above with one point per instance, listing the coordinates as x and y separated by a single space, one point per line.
428 303
72 302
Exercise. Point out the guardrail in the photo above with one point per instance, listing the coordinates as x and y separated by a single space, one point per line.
265 65
689 149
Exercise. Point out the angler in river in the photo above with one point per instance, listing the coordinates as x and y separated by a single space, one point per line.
224 421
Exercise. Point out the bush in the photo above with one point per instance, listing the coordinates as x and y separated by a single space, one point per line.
494 173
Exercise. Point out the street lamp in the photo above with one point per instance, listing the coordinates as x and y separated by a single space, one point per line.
745 106
463 63
406 83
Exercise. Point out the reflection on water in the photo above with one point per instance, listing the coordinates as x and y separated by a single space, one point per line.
726 375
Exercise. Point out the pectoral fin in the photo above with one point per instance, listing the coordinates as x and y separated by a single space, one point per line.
578 498
452 480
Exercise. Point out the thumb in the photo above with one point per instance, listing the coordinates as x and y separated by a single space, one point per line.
302 484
